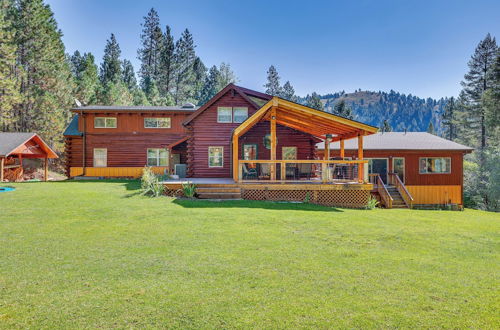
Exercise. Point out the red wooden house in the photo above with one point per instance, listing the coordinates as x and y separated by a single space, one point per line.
240 143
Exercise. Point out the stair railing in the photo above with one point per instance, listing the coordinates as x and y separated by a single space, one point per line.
384 193
407 197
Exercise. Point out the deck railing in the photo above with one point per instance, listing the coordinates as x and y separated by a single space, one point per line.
300 170
383 192
395 180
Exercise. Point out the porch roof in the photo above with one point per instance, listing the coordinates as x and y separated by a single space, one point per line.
29 145
302 118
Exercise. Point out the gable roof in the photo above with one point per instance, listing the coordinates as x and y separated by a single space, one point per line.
400 141
251 96
72 129
9 142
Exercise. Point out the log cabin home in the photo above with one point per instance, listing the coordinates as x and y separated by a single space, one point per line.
240 144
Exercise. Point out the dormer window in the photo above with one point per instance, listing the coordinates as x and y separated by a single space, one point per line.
104 122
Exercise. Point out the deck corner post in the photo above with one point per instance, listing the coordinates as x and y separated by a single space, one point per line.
361 172
236 165
2 159
273 142
46 169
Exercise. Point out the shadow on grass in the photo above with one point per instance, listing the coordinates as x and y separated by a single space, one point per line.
268 205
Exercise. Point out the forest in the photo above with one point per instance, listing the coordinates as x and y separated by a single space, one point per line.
39 83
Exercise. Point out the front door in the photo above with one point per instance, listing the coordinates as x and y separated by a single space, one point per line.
398 167
378 166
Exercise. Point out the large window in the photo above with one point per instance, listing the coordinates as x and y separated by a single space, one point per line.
224 115
289 153
249 151
104 122
157 157
240 114
430 165
232 114
156 122
215 156
100 157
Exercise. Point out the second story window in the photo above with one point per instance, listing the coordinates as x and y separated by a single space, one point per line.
224 115
156 122
240 114
104 122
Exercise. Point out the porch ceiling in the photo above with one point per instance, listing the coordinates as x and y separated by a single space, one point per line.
315 122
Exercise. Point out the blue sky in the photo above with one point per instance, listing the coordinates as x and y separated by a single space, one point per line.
417 47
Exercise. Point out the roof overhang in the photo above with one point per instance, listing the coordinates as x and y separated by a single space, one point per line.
33 147
302 118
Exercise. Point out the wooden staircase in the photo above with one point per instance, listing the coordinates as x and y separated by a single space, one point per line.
397 200
218 192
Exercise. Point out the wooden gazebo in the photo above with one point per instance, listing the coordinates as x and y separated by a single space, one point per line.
14 147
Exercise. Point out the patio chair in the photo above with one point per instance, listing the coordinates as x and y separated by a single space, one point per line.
249 173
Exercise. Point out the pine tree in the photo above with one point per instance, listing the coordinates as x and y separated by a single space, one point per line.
10 72
386 127
273 82
343 110
139 97
226 76
86 78
211 85
430 128
128 75
166 70
111 70
184 74
116 93
288 92
477 81
200 74
314 101
449 119
150 52
48 83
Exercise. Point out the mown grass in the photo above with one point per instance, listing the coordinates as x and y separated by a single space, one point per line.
97 254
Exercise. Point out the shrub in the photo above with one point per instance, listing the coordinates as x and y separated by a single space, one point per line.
189 189
372 203
150 183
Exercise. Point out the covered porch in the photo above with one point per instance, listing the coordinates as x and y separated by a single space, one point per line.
286 166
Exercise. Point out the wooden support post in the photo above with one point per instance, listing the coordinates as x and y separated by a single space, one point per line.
236 165
46 169
2 160
361 173
273 142
327 149
324 172
342 154
283 171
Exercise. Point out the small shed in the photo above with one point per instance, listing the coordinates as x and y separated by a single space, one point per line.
16 146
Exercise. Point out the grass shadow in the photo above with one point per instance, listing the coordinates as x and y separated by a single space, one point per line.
249 204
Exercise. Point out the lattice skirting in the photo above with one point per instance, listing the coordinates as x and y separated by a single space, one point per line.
174 192
340 198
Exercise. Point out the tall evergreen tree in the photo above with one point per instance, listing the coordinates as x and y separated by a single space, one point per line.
288 92
386 127
430 128
48 83
10 72
128 75
273 82
184 73
449 119
150 52
86 78
477 81
314 101
111 70
343 110
166 70
211 85
200 74
226 76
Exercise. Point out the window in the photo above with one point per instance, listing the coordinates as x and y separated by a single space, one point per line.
156 122
224 114
431 165
104 122
288 153
157 157
249 151
100 157
215 156
240 114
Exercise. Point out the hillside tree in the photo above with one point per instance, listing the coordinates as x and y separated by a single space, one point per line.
273 82
288 92
150 52
167 64
314 101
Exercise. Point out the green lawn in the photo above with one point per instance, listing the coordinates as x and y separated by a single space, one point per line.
97 254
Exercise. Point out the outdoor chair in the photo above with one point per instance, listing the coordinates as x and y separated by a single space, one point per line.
249 173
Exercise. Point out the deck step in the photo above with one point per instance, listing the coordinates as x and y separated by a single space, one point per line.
201 190
397 200
219 195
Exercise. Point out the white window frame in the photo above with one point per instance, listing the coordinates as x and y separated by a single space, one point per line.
239 108
222 157
231 114
105 157
157 151
423 173
158 119
105 122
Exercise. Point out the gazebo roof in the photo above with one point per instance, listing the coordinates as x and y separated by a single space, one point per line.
30 145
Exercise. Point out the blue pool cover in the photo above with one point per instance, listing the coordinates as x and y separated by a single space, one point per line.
4 189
